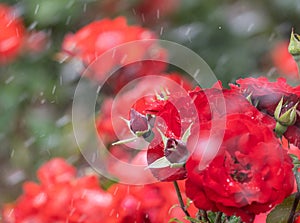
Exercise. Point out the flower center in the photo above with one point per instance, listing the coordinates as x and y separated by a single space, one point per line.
240 172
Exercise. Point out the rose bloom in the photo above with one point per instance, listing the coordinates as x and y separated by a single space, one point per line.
284 61
97 38
60 197
266 95
11 34
250 174
181 110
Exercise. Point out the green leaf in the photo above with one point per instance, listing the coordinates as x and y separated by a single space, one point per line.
163 137
194 220
160 163
125 141
186 134
175 220
281 212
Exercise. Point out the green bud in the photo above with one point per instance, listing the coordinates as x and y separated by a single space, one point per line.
280 129
294 46
278 109
286 119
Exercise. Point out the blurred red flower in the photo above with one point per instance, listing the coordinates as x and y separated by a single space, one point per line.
96 38
59 197
62 197
11 34
284 61
153 203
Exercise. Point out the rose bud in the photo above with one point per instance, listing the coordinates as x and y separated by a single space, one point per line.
141 125
285 117
176 151
294 48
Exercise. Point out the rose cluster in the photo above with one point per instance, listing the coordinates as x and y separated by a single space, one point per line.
225 147
61 196
223 143
232 160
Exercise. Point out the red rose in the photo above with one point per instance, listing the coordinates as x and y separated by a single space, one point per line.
198 107
250 174
266 96
11 35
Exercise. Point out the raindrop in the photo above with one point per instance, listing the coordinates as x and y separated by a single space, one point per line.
12 153
29 142
124 58
271 72
220 27
196 73
143 17
10 79
187 32
98 89
138 205
117 215
37 7
53 89
133 11
111 212
43 101
83 194
68 20
84 7
250 27
116 190
10 212
70 3
161 30
157 13
94 156
32 25
272 36
15 178
62 121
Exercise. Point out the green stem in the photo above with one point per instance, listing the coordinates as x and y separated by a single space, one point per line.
297 59
294 207
205 216
219 217
183 207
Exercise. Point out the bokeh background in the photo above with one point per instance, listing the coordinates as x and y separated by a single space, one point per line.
236 38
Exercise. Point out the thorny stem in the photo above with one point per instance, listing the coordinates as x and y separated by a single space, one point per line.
183 207
219 217
295 204
204 215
